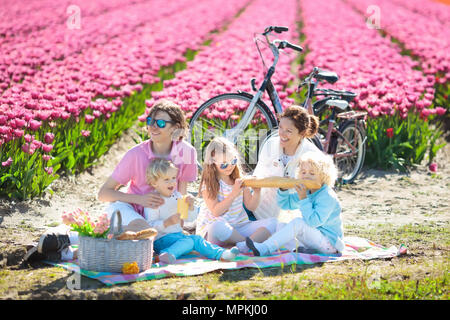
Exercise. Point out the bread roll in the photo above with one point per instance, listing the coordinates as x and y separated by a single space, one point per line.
127 235
144 234
279 182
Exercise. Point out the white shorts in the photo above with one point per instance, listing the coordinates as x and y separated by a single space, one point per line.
127 212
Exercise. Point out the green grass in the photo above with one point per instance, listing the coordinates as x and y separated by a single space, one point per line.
421 274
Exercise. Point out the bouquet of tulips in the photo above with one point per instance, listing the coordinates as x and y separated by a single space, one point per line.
81 222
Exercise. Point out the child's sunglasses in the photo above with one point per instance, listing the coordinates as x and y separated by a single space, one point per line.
159 122
223 166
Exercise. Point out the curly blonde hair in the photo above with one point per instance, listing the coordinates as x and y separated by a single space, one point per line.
210 176
322 164
158 168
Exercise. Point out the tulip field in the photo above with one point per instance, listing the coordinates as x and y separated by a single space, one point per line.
74 76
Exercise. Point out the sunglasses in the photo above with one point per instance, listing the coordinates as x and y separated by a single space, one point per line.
159 122
225 165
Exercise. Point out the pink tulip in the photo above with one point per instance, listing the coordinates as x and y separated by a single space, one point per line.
89 118
8 162
36 144
27 148
18 133
440 111
47 148
49 137
28 138
433 167
35 125
85 133
4 130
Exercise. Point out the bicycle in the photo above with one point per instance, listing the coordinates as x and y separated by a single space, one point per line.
342 131
258 122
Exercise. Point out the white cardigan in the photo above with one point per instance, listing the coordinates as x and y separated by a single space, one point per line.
270 165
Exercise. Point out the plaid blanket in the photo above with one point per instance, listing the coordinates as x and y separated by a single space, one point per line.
193 264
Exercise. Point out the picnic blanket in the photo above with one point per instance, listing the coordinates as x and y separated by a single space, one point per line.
194 264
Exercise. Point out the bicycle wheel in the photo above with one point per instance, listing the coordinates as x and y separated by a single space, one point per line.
349 165
223 112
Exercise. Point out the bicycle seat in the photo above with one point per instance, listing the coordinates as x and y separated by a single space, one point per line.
342 94
328 76
341 104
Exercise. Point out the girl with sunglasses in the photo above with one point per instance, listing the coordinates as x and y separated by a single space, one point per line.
222 219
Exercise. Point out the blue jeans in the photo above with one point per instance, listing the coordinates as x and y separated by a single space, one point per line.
179 244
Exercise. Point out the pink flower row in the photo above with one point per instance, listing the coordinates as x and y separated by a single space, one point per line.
232 59
17 19
25 54
428 8
426 37
366 63
66 88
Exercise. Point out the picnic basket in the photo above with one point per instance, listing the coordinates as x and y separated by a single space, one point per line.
109 255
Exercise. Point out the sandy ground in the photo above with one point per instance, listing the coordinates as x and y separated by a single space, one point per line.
377 197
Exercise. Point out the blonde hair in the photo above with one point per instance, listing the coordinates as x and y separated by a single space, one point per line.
322 164
210 176
158 168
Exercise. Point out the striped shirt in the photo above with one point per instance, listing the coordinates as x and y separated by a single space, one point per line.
235 215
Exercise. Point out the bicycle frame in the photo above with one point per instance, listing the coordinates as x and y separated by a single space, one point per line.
267 86
332 129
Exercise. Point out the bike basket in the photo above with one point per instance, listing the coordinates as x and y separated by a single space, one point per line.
109 255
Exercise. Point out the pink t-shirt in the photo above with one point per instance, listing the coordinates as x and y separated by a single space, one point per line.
134 163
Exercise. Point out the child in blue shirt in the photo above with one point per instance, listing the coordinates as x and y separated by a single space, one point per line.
171 242
320 227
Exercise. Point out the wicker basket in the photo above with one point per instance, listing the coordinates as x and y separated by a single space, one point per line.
109 255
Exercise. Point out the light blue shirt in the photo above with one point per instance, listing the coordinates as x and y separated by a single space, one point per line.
320 210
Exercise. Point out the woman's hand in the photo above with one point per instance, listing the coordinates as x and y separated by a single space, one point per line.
173 219
151 200
301 191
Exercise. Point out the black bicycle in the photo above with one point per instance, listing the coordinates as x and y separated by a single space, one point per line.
253 122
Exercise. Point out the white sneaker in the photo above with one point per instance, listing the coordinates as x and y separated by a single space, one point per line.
230 254
167 258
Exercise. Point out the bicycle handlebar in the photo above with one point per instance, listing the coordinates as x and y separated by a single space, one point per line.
276 29
286 44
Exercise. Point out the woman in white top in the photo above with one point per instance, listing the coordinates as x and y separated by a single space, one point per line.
280 153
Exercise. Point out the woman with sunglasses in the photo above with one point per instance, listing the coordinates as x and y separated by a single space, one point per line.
166 125
222 219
